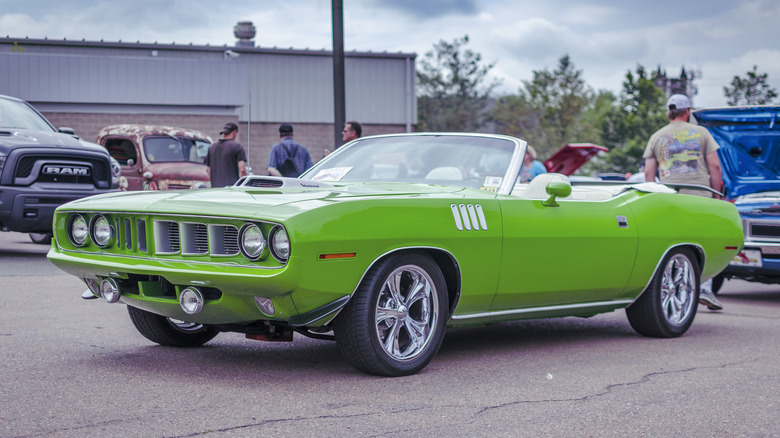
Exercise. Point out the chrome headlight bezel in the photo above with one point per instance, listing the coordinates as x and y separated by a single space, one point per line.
78 239
251 249
101 232
279 244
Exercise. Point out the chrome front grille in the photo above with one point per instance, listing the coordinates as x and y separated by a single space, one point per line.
193 238
223 239
166 237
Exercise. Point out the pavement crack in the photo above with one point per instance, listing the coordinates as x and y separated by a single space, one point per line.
284 420
609 388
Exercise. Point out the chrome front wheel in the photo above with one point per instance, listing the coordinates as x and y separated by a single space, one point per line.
395 322
667 307
406 312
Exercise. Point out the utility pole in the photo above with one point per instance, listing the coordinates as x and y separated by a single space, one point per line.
339 101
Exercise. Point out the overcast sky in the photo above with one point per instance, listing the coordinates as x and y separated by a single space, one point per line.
717 38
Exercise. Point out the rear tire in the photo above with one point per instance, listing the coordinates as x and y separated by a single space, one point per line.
667 308
170 332
395 322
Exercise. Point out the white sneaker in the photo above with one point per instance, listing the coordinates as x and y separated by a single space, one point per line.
708 298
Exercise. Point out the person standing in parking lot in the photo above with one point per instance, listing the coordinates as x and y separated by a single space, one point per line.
352 131
685 153
288 158
226 159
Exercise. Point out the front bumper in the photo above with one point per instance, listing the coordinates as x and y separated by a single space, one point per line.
31 209
155 286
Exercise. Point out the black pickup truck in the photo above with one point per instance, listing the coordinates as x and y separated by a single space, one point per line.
42 168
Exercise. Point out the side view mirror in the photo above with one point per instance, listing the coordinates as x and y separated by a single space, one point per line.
556 189
130 162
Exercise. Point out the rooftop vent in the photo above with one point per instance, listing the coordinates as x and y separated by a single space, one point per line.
244 31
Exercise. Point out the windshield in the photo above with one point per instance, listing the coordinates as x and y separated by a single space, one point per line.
161 149
19 115
457 160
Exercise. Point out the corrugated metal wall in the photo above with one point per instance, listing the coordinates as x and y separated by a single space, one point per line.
285 85
120 80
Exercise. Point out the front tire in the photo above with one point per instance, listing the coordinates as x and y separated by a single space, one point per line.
170 332
41 238
667 308
395 322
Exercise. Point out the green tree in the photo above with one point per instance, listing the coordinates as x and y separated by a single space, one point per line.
638 113
452 89
549 110
752 90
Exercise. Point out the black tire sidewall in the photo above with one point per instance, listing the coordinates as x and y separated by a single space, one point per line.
360 316
161 330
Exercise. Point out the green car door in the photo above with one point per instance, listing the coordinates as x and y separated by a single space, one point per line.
576 252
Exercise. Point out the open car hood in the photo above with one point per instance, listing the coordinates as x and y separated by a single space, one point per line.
749 139
571 157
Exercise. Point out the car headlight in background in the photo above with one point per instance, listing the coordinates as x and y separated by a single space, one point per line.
101 231
78 230
251 241
280 244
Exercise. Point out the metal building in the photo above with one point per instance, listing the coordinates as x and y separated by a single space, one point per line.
87 85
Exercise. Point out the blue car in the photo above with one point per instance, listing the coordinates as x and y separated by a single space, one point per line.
749 138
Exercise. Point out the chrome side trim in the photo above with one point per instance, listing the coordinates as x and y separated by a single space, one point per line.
161 259
473 216
469 217
481 216
456 215
465 215
540 309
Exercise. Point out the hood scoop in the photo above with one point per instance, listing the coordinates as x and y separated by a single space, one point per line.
275 182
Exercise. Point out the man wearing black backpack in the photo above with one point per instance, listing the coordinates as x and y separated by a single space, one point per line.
288 158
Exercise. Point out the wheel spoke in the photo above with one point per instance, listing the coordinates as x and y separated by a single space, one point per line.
384 313
393 285
391 340
420 290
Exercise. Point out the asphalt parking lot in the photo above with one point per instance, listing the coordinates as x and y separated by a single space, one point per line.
76 368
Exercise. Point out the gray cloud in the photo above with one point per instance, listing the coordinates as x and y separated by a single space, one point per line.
430 9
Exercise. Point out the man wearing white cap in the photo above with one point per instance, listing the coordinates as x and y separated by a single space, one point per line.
685 153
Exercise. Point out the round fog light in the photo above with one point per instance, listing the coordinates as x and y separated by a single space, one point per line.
109 290
191 301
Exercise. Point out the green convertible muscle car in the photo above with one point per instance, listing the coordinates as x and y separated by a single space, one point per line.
389 240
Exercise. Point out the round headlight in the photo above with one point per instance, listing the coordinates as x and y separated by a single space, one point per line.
101 231
280 244
79 230
252 241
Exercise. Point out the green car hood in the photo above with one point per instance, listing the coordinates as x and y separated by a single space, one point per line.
268 203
